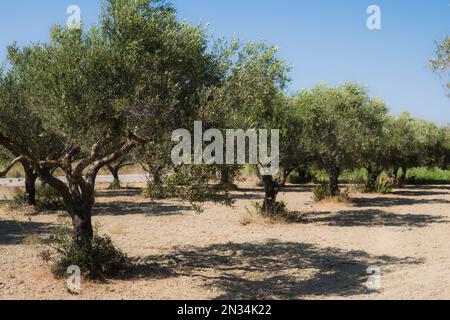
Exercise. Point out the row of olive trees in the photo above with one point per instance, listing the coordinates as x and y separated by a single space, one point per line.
85 99
88 100
342 128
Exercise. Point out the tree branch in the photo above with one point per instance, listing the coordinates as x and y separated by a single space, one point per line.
10 166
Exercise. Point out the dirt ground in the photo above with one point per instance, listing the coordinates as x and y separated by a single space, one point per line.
231 253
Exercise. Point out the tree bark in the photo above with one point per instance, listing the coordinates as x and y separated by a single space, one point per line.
271 190
82 227
372 179
115 185
334 181
30 184
225 176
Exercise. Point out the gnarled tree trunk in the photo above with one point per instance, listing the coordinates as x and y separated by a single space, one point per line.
271 189
333 175
225 176
82 225
30 184
115 185
372 177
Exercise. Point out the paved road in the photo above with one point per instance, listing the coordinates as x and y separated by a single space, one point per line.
125 179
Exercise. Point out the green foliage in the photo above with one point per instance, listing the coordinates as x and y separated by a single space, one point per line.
159 190
301 177
322 191
98 262
18 200
441 63
47 198
277 210
424 175
278 213
383 184
341 126
193 183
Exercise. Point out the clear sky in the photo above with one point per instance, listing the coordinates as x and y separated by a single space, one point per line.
324 40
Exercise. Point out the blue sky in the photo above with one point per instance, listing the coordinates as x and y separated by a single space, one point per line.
324 40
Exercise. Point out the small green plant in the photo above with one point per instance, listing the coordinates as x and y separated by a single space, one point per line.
322 191
18 200
99 261
32 239
384 184
280 213
245 221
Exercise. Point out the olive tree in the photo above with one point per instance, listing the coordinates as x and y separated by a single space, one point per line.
251 97
114 168
21 126
338 123
100 93
441 63
374 151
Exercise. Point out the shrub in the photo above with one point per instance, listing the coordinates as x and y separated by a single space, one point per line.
280 212
47 198
428 176
300 177
18 200
384 184
98 262
322 191
158 191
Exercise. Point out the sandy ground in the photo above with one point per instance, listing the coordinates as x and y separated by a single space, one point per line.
232 253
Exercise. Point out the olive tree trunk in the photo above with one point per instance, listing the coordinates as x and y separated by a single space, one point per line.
115 185
372 179
82 225
271 189
30 184
333 177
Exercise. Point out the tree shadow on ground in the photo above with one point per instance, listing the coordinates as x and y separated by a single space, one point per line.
129 192
370 218
426 187
248 194
304 188
392 202
419 193
273 270
258 193
15 232
123 208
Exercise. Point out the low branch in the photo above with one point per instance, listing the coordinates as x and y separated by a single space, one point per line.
10 166
96 166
